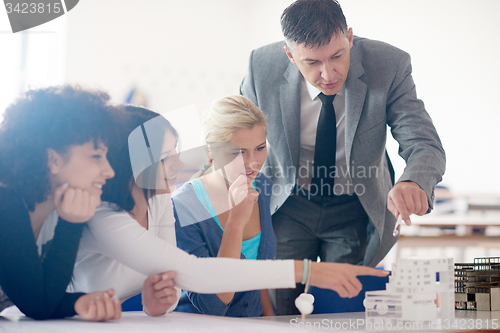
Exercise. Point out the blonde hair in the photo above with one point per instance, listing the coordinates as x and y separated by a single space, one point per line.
225 116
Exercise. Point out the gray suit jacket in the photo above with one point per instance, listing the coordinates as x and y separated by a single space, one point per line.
379 91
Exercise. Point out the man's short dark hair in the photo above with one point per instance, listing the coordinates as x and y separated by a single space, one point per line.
312 22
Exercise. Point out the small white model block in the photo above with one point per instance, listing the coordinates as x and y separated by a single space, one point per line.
412 292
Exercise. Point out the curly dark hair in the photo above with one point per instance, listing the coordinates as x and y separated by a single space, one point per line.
56 118
313 22
118 190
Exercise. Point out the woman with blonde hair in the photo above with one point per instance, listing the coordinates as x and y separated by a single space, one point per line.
211 225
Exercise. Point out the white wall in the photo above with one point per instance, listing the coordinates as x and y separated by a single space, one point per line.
30 59
176 52
193 51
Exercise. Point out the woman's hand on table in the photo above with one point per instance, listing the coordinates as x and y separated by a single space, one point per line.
158 293
99 306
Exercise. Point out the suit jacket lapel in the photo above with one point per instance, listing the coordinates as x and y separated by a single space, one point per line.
355 94
290 110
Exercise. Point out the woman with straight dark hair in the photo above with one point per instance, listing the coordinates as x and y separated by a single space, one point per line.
104 263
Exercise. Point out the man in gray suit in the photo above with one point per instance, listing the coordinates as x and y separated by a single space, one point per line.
351 219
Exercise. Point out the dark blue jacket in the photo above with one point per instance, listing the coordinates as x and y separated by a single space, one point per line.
203 240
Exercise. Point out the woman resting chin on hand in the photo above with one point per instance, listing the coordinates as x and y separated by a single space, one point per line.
53 145
229 212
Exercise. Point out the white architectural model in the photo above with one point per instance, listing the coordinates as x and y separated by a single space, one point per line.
413 292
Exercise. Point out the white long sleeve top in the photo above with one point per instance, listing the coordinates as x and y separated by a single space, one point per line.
117 252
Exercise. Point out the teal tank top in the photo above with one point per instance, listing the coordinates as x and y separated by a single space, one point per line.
249 247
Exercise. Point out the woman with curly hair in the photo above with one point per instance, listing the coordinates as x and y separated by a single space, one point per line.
53 145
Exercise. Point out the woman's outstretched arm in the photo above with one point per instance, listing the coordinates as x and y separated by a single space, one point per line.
120 237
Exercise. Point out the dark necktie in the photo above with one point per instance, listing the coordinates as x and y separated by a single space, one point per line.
325 150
